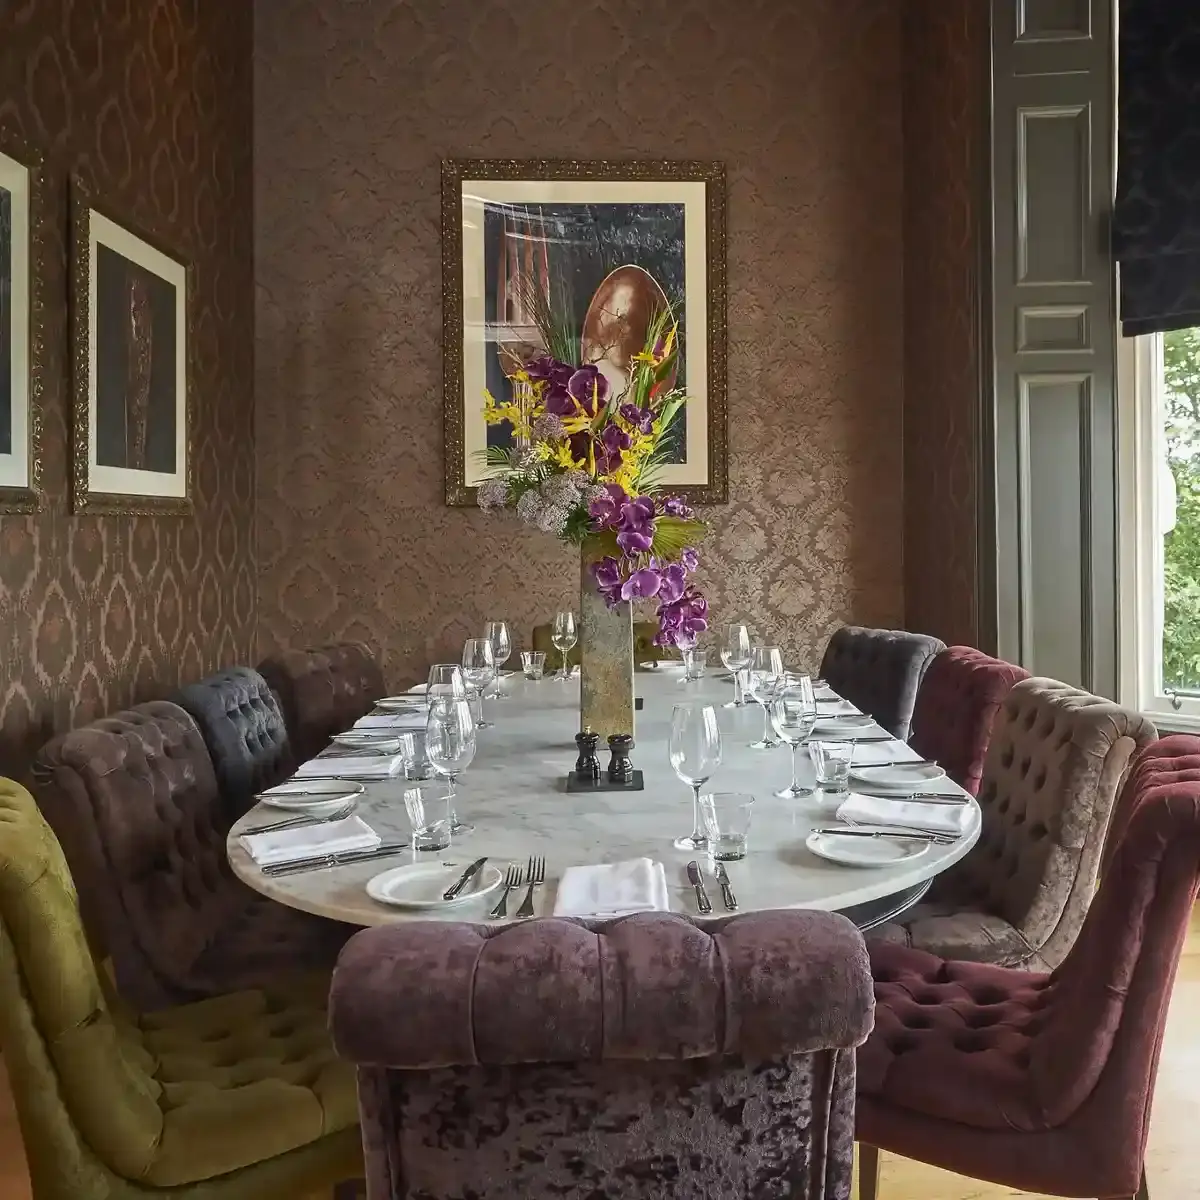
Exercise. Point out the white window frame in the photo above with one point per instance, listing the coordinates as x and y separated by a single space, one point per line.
1140 451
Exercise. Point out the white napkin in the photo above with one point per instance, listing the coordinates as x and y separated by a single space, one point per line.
400 721
876 754
310 841
611 890
905 814
357 766
835 706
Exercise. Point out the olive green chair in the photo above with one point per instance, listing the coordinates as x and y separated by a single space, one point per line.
235 1098
644 649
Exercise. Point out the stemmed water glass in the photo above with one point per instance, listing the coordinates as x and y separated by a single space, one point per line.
766 674
445 682
450 748
564 636
496 632
695 750
479 668
735 654
794 715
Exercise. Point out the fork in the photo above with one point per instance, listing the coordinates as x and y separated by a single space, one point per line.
294 822
536 875
937 836
512 879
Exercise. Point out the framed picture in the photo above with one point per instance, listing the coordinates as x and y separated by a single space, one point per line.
21 318
131 334
605 246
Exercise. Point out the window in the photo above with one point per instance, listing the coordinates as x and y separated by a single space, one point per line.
1160 525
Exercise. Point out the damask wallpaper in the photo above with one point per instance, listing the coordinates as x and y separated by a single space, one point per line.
355 106
945 55
150 100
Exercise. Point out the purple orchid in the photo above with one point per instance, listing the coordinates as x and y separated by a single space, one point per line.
674 583
635 534
642 419
549 370
605 510
682 621
689 559
641 584
672 506
612 445
588 389
607 574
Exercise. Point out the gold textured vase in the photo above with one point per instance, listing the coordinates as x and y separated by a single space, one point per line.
606 656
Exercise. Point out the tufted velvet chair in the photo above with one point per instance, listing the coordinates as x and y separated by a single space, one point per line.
956 704
638 1057
879 670
1037 1081
322 692
1052 772
135 805
240 720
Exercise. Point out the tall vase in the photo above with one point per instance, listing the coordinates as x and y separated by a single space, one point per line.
606 656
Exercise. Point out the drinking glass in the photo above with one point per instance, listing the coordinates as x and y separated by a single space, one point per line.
427 833
446 682
735 654
564 637
695 660
496 632
533 663
794 716
831 761
766 672
479 669
406 751
726 818
695 750
450 748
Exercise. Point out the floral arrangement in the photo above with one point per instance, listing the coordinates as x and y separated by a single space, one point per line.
583 466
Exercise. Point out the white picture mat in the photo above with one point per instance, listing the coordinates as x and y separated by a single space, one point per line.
14 467
124 480
478 193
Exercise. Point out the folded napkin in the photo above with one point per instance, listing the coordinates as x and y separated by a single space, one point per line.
310 841
612 890
906 814
835 706
877 754
395 721
351 766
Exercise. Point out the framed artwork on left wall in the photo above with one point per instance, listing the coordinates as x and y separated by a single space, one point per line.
131 334
21 317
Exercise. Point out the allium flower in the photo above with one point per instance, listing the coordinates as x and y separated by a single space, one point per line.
588 389
553 518
636 531
529 507
604 507
548 428
641 419
563 489
613 444
493 493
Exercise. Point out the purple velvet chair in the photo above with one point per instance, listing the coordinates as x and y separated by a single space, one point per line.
637 1057
1040 1081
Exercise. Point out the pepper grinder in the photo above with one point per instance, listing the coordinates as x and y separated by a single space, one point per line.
587 765
620 769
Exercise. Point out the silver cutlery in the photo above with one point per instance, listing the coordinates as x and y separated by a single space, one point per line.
922 797
512 879
726 891
455 888
898 762
298 821
293 866
536 875
696 878
272 794
910 835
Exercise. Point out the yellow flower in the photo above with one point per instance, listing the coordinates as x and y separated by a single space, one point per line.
561 456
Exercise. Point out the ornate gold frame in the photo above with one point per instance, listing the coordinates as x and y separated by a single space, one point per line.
28 499
83 500
712 174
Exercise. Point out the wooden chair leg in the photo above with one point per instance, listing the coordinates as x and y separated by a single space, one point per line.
868 1171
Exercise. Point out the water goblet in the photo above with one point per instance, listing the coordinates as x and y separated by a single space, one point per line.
766 675
533 663
496 632
450 747
445 682
564 636
794 716
479 668
735 654
726 818
695 753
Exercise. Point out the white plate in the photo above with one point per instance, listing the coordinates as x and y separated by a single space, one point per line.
663 664
853 851
382 741
399 703
900 777
420 885
316 796
848 724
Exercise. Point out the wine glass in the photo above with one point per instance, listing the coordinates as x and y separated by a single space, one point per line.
496 632
794 715
478 668
695 750
445 682
766 672
450 748
735 654
564 637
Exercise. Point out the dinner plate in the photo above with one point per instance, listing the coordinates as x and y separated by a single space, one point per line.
315 796
853 851
663 664
420 885
382 741
899 776
399 703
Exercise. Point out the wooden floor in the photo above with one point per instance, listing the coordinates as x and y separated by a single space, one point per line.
1172 1163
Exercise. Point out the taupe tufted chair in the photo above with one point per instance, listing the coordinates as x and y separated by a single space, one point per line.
1056 761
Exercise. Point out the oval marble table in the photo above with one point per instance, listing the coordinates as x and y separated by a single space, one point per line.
514 795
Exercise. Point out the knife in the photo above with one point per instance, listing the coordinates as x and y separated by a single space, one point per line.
726 891
924 797
912 835
697 881
465 878
292 866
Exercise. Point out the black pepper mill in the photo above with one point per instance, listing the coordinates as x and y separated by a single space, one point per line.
587 765
620 769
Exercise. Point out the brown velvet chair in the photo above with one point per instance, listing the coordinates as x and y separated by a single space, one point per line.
1039 1081
633 1058
1052 772
134 803
322 692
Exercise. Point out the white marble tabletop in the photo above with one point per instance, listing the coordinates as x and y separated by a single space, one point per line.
514 796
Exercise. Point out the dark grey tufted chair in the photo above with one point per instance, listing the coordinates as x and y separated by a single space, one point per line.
242 725
879 670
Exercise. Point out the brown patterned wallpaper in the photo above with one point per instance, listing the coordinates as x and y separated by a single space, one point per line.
150 100
945 49
355 106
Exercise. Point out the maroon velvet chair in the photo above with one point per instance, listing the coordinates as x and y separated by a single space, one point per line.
629 1058
1036 1081
960 694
